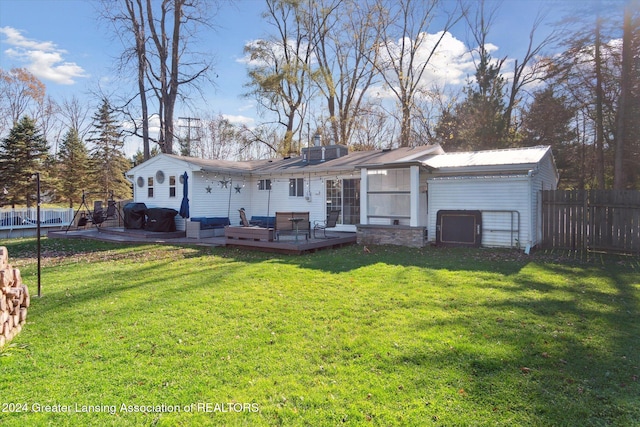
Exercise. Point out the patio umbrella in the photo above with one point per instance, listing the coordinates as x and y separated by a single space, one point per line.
184 206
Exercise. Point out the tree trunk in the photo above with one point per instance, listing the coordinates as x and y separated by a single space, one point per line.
405 128
619 178
599 146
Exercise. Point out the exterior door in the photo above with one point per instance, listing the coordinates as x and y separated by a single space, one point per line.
344 194
459 228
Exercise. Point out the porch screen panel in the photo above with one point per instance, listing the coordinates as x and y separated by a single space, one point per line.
389 205
389 180
389 193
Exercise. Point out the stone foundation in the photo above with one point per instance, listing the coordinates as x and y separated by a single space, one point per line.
401 235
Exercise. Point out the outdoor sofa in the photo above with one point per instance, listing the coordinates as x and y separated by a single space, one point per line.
200 227
263 221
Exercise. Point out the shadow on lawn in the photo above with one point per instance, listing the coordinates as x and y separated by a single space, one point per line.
93 283
573 360
551 360
353 257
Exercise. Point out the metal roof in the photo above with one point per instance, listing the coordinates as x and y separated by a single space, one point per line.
523 157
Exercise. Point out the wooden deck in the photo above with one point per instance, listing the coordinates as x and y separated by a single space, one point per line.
290 245
286 245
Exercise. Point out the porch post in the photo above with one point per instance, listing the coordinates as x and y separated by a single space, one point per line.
414 184
364 196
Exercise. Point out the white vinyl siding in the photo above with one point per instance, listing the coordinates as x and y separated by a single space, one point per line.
488 195
209 197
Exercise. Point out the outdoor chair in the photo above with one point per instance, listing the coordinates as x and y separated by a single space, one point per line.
330 222
243 218
100 215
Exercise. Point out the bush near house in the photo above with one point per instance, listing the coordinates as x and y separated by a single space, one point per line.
173 335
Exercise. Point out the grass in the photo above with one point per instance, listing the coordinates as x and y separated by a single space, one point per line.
396 337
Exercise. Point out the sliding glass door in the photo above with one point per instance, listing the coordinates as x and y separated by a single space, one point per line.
344 194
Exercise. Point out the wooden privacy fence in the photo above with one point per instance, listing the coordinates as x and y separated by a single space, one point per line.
606 220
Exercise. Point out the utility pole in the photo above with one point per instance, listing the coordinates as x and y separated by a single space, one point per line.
186 148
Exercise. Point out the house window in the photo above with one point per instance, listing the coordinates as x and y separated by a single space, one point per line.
150 187
172 186
296 187
264 184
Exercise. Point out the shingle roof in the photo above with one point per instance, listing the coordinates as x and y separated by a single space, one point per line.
298 164
430 156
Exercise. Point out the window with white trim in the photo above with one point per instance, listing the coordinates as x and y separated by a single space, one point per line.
296 187
264 184
172 186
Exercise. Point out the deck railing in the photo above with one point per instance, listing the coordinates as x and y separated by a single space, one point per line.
13 219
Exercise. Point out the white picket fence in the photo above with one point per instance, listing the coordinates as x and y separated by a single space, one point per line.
26 218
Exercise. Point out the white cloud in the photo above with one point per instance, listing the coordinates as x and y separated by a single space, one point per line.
239 120
44 59
448 64
247 107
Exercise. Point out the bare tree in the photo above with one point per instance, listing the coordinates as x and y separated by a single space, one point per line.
216 138
374 129
260 142
19 90
344 37
46 114
406 48
158 39
526 70
625 119
74 115
599 107
279 68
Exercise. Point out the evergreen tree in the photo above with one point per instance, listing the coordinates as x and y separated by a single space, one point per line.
73 168
108 161
549 121
478 122
138 158
23 153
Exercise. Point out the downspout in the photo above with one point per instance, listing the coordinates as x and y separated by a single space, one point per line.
527 248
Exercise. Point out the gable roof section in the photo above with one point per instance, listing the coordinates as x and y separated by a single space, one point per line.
400 157
215 165
353 160
511 160
432 157
348 162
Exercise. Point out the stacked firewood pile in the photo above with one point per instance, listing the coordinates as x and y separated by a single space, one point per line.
14 299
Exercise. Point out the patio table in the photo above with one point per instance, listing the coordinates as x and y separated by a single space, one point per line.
296 221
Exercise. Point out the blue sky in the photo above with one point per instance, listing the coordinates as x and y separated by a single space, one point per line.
82 51
61 42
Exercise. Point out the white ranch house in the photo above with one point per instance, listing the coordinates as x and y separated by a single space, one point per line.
406 196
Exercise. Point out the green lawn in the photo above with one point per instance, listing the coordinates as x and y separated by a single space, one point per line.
395 337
